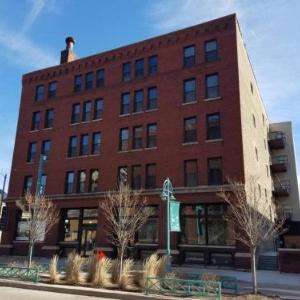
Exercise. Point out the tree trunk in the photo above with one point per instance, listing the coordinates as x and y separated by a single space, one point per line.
253 269
30 253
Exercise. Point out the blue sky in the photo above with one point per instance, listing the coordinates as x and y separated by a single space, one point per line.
32 33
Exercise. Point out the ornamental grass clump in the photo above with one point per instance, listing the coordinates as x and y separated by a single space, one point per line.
153 267
91 268
102 273
115 271
53 272
126 280
73 268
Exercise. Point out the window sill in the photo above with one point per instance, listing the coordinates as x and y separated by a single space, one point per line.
136 150
74 124
212 99
188 103
48 128
124 115
34 130
124 151
137 112
214 140
96 154
151 110
151 148
96 120
190 143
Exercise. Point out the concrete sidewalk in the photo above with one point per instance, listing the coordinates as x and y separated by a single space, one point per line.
263 277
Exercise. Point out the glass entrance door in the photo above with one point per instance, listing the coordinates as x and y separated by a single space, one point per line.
88 241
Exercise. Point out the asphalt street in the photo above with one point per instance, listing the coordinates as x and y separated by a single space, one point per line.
8 293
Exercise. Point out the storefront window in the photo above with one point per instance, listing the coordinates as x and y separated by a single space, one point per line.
75 218
22 227
204 224
149 232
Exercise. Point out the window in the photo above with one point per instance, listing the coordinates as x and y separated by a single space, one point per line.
139 68
36 120
77 83
148 233
137 137
211 53
267 168
150 176
125 104
126 72
43 184
254 121
189 56
49 118
138 101
256 153
122 175
190 173
87 110
136 180
98 109
204 224
73 218
39 93
213 126
94 177
96 143
89 80
151 135
81 179
27 184
72 146
251 88
69 182
52 89
189 87
100 78
190 130
212 86
22 227
123 139
152 65
84 144
31 152
152 98
215 174
46 148
75 113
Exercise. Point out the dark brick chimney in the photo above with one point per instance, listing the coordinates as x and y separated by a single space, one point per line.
68 55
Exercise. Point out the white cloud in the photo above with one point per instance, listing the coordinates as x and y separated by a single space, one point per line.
36 9
20 50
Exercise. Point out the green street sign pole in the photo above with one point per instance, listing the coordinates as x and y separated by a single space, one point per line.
167 195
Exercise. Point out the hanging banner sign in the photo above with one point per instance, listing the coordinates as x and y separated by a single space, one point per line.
175 216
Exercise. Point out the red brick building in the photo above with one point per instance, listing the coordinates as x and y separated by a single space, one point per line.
170 106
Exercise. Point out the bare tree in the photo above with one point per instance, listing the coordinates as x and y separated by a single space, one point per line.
41 215
254 219
125 212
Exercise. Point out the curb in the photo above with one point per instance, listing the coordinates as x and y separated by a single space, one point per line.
81 291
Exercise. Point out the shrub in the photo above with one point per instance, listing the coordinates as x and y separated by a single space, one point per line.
126 277
54 276
73 267
102 276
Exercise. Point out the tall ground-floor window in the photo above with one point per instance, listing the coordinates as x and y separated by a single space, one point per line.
76 219
149 232
22 227
204 224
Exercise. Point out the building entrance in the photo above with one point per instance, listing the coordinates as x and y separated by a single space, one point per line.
88 241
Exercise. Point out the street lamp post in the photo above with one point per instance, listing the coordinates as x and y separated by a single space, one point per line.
167 195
